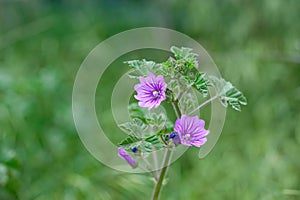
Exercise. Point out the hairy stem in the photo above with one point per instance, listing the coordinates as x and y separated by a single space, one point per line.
176 109
159 183
166 160
203 104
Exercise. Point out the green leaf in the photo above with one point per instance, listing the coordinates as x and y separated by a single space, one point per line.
188 79
157 118
184 60
154 120
155 141
234 97
141 68
229 95
183 52
144 145
188 102
129 140
174 86
135 127
135 111
142 129
167 68
201 83
167 64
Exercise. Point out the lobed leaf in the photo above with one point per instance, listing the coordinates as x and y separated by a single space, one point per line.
188 102
135 127
141 68
143 144
229 95
184 60
201 83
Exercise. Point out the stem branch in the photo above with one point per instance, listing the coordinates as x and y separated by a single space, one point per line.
166 160
176 108
204 104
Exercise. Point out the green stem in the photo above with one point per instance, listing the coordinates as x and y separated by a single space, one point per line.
204 104
166 161
162 139
176 108
158 185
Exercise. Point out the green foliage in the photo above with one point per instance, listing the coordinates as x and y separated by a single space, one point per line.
141 68
235 98
181 74
135 111
201 83
188 101
257 156
146 119
143 144
167 69
143 129
228 93
198 81
135 127
186 64
129 140
185 59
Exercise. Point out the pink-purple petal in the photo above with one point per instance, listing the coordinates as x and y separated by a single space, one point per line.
127 157
150 91
191 130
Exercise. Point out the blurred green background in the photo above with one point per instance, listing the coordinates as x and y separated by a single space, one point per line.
255 44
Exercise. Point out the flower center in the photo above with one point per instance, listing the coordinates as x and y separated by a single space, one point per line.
156 93
187 137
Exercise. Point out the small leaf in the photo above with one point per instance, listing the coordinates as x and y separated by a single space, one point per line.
155 141
174 86
135 127
188 79
141 68
201 83
144 145
166 68
129 140
188 102
177 52
183 52
167 64
234 98
228 93
135 111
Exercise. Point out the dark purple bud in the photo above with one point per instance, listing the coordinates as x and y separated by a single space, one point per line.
175 138
173 134
134 149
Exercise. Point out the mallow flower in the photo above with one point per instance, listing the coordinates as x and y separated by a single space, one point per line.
150 91
127 157
191 130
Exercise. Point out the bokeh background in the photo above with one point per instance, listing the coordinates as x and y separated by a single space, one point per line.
255 44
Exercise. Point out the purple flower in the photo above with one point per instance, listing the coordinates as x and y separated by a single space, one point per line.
151 91
127 157
191 130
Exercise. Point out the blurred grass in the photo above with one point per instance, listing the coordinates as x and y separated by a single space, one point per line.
255 44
